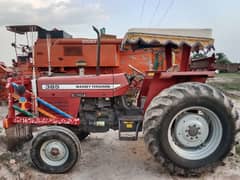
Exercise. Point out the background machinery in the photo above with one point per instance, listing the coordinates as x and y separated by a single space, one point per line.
65 54
188 126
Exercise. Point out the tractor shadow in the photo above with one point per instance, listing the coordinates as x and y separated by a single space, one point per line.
123 159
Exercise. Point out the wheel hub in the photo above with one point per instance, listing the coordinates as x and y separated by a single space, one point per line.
191 130
195 132
54 152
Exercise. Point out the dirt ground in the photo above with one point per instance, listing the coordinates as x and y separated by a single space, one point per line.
104 157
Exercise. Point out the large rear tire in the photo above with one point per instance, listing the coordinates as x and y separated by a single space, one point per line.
190 128
55 150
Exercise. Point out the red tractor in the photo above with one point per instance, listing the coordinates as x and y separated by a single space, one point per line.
188 126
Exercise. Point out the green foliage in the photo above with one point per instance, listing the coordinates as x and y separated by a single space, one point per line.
221 58
199 56
227 82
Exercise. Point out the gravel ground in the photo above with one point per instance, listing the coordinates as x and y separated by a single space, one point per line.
104 157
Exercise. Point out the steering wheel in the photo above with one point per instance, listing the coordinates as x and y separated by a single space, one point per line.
136 78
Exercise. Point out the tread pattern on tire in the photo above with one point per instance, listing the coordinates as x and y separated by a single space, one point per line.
159 106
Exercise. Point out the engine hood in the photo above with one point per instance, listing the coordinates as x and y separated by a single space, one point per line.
107 85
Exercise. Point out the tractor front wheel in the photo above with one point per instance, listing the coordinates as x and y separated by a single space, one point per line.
55 150
190 127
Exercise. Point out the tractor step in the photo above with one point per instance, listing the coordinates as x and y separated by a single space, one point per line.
129 126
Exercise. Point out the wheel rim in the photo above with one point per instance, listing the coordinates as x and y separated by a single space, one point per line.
195 133
54 152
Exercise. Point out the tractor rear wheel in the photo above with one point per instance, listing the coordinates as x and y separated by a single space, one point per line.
55 150
190 128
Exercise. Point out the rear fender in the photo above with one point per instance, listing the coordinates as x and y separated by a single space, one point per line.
155 82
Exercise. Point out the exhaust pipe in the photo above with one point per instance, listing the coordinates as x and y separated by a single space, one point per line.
98 50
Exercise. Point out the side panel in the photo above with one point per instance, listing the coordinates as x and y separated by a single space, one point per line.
67 52
66 104
140 59
65 92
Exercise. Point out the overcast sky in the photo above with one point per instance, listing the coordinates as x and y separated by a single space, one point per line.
117 16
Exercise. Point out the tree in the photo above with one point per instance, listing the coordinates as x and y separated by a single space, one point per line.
199 56
221 58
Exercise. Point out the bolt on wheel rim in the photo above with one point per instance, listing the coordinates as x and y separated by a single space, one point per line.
195 133
54 152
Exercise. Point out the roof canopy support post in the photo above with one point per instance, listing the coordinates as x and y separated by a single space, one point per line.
15 45
185 55
168 54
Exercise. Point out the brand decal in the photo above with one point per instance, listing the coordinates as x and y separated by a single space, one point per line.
80 86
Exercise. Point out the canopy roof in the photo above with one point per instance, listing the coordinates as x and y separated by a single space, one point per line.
137 38
21 29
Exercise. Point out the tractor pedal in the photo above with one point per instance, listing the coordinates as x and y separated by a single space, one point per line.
129 126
